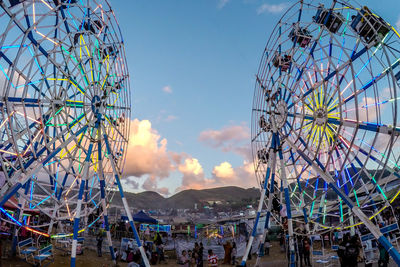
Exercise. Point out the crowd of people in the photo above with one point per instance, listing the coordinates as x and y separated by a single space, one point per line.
303 249
194 257
154 249
350 250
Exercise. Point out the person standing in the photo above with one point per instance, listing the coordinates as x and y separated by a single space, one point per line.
201 251
196 248
184 260
212 259
300 250
147 233
234 253
157 239
228 252
267 245
351 252
196 253
306 251
99 240
116 254
383 256
369 253
342 248
189 256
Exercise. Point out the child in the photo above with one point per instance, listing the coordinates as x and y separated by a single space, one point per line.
184 260
212 259
116 253
267 245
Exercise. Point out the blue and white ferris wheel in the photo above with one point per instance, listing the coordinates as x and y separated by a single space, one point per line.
64 115
325 121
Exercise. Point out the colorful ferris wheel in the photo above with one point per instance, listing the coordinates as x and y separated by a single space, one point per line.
65 114
325 121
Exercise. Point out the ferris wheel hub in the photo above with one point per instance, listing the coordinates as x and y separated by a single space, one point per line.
320 116
96 104
280 112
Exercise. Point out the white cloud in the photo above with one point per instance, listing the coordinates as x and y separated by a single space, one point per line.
219 138
130 181
163 116
151 184
224 171
192 166
147 151
272 8
193 174
170 118
149 158
167 89
233 138
398 23
222 175
243 175
222 3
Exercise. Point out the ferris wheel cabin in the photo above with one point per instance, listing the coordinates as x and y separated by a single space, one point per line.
370 27
263 155
332 20
282 62
301 36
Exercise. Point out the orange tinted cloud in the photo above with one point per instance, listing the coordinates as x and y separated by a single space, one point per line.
224 171
148 157
227 135
147 152
229 139
193 174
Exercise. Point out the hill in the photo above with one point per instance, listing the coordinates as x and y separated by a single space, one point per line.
230 196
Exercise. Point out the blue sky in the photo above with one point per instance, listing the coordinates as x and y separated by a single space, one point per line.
192 67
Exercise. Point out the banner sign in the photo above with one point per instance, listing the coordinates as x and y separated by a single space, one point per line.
156 227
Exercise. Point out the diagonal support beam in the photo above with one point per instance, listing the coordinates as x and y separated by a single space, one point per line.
125 203
103 201
292 261
79 205
270 171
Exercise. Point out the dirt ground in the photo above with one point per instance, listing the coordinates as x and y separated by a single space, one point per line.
90 259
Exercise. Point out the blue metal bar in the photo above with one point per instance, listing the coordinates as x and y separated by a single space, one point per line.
76 224
272 149
79 204
103 201
11 192
17 216
292 261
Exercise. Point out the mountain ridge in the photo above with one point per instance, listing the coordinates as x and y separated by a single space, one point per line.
228 196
